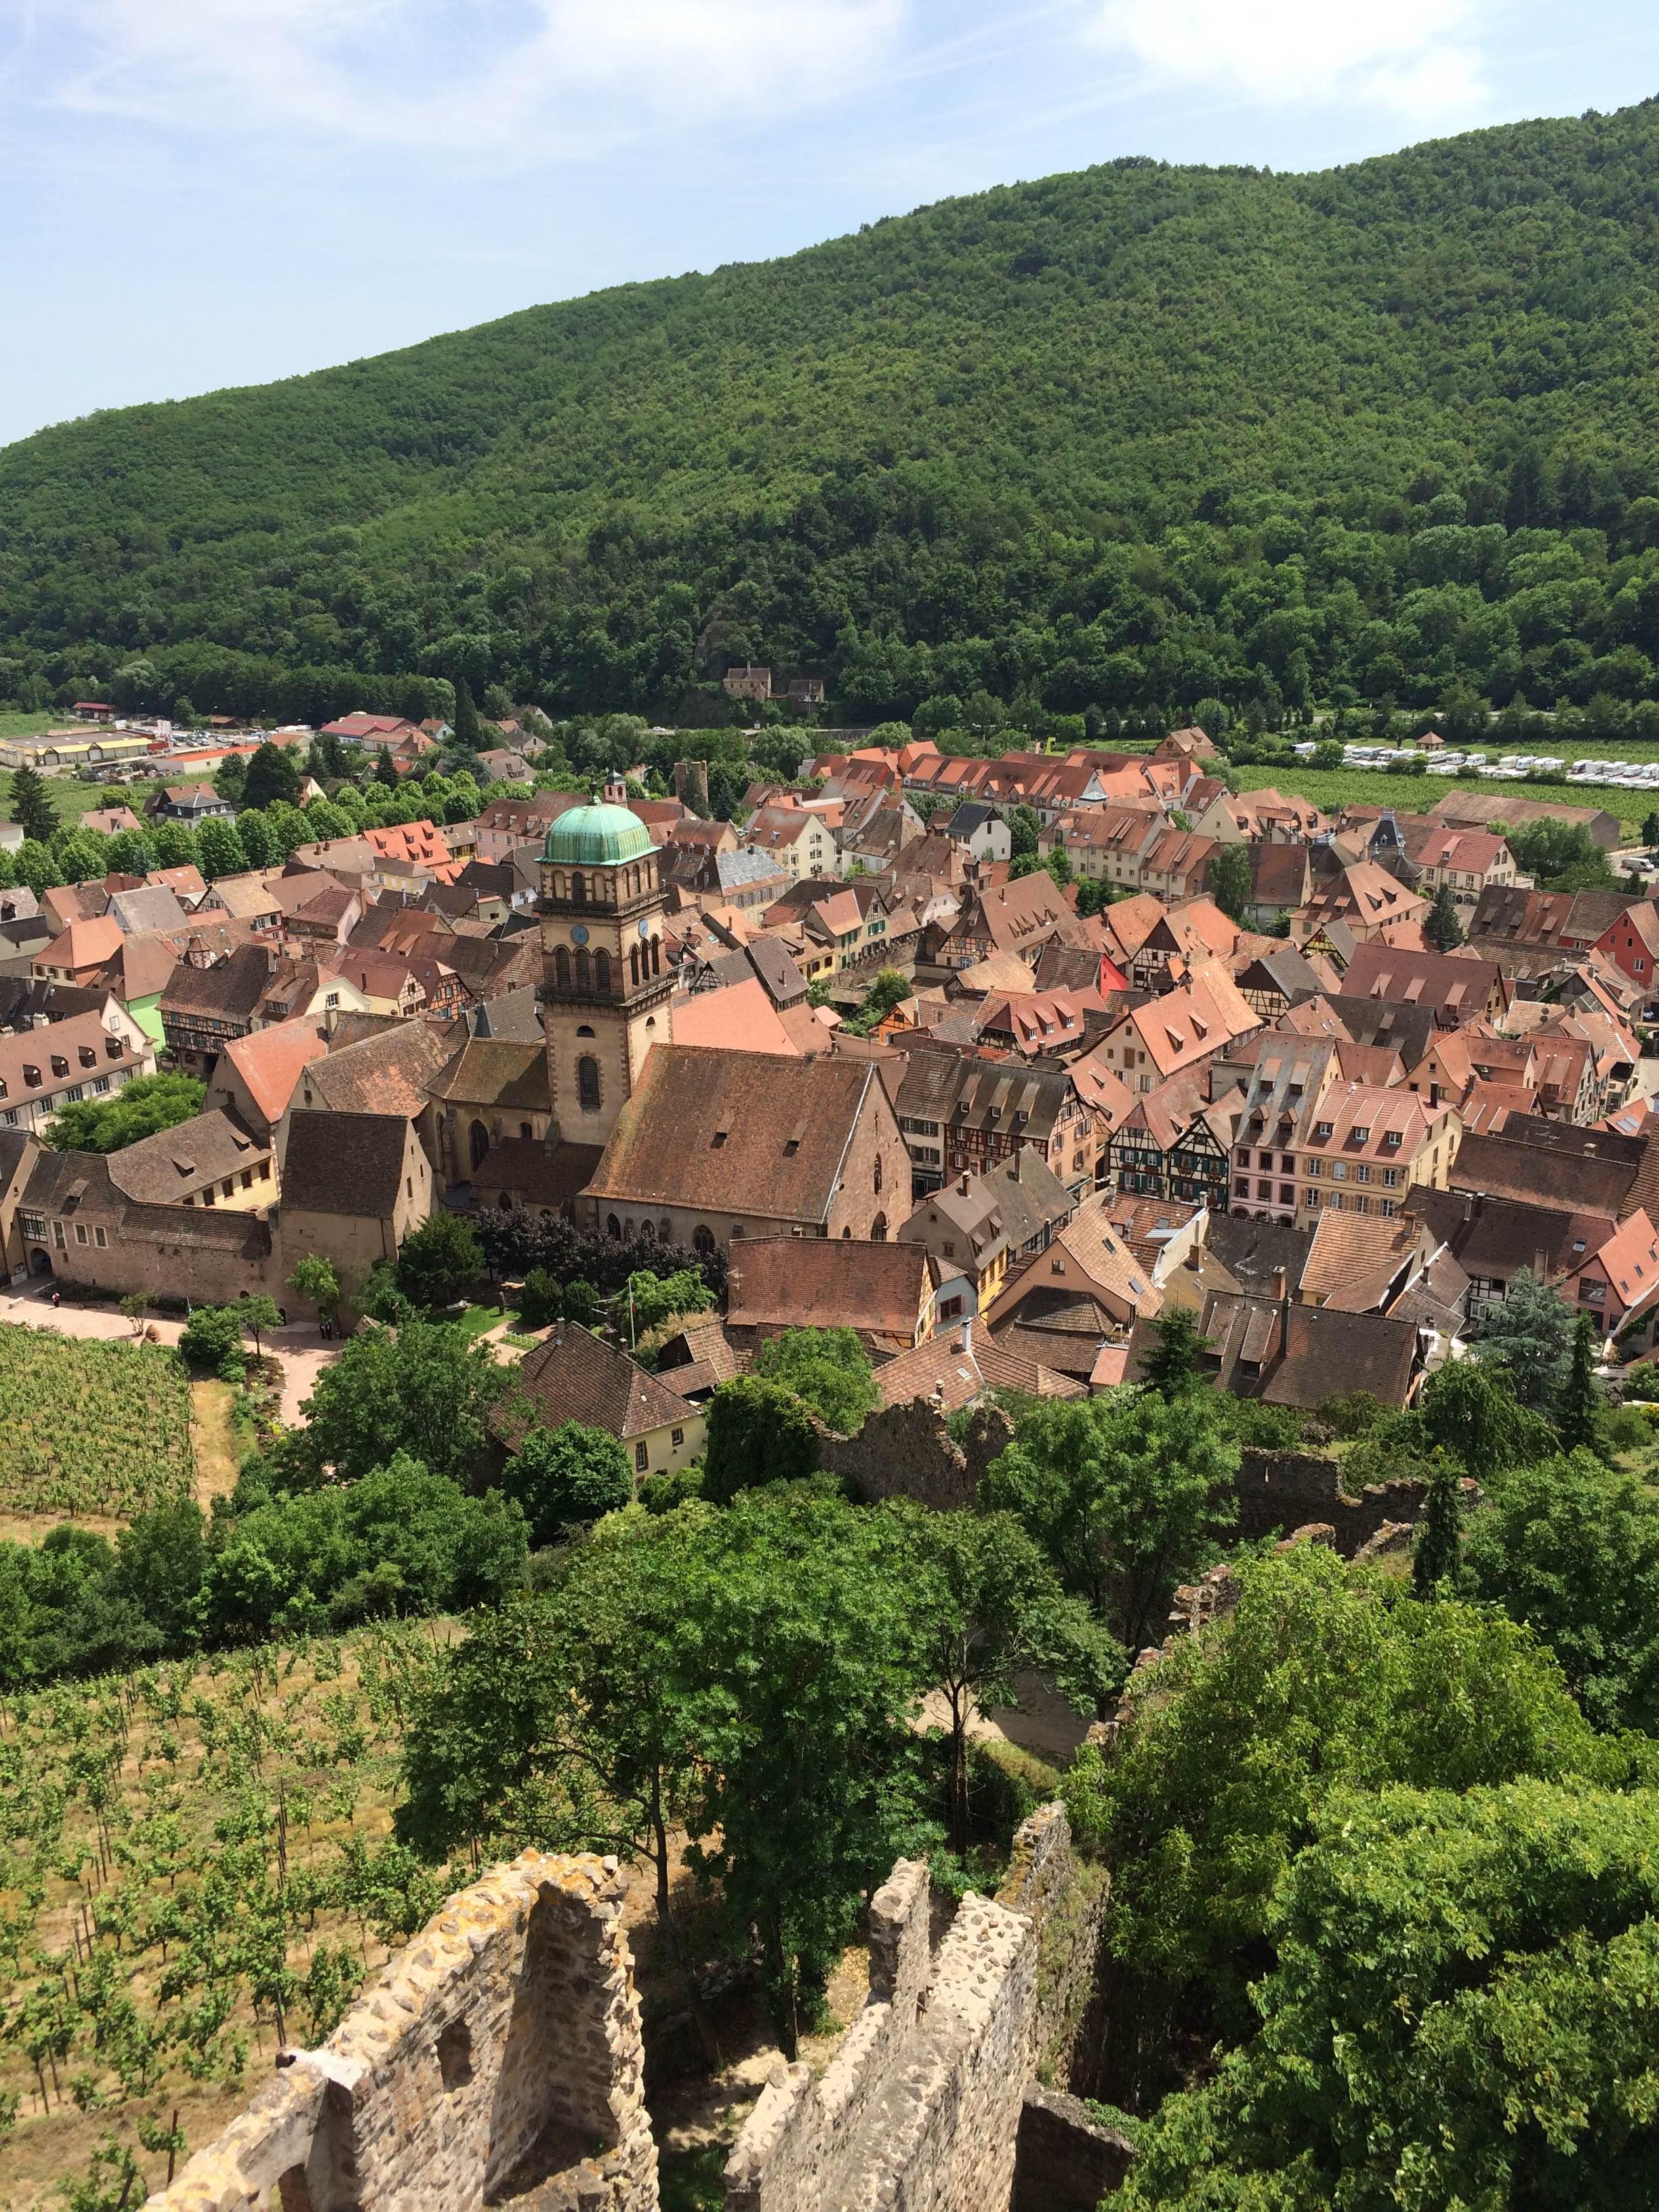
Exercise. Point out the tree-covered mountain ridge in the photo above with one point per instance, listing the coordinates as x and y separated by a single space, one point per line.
1129 437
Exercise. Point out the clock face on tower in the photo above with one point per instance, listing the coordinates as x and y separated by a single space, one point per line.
578 935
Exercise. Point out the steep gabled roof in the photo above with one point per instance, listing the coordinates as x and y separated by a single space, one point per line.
736 1133
344 1163
572 1376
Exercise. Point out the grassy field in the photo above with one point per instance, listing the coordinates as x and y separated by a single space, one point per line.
71 798
90 1428
1332 788
194 1866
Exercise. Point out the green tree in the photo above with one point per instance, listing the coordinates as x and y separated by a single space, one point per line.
1327 754
385 770
1572 1547
313 1279
219 850
1651 830
174 845
420 1389
31 804
828 1369
1438 1550
1321 1679
1468 1410
1024 828
1578 1408
260 847
1230 881
438 1262
273 774
210 1333
1459 2013
465 725
758 1432
1442 926
141 1107
1126 1494
258 1314
652 1299
991 1607
1529 1338
1173 1362
135 1306
890 988
570 1473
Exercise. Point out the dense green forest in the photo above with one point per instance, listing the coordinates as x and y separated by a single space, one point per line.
1131 439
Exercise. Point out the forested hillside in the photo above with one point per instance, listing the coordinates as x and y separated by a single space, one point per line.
1132 438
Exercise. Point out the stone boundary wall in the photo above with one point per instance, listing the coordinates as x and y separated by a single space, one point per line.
906 1451
1065 1902
919 2110
499 2050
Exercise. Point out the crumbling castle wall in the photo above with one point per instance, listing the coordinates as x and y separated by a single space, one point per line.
906 1451
498 2060
1281 1490
1065 1902
919 2109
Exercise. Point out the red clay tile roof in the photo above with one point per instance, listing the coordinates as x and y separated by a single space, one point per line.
572 1376
828 1283
737 1133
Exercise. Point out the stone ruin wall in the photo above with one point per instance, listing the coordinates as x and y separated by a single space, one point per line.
1065 1902
498 2059
919 2109
906 1451
1281 1490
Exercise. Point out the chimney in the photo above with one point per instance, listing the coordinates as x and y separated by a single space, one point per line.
963 1186
1468 1209
1280 1284
967 1335
1193 1257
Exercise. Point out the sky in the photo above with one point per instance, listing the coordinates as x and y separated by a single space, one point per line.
195 194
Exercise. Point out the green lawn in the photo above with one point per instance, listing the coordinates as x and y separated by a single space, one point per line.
1332 788
71 798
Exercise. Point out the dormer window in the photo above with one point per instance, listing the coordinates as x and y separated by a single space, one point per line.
32 1077
88 1057
1321 1128
59 1065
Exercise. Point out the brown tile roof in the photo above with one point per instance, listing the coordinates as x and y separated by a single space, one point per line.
62 1055
159 1171
737 1133
740 1016
83 944
792 1282
1354 1258
1458 988
962 1374
1550 1164
344 1163
269 1062
572 1376
539 1174
489 1071
389 1073
231 989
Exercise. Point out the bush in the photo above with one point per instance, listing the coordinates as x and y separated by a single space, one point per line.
441 1262
568 1474
542 1300
1349 1413
212 1337
758 1432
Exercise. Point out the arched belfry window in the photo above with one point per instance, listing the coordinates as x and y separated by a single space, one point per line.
587 1083
561 967
602 971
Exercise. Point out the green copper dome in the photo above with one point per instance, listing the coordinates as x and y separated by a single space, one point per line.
597 836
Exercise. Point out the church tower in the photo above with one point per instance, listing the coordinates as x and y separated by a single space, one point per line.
605 985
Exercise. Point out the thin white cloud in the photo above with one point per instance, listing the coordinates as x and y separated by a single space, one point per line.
528 79
1420 58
